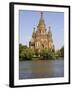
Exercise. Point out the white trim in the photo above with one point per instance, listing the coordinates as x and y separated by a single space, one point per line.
16 46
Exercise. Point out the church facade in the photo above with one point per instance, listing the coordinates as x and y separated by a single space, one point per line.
41 38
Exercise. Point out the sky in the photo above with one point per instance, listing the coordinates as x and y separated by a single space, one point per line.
30 19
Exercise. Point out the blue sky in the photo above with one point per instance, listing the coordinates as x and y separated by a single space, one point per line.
30 19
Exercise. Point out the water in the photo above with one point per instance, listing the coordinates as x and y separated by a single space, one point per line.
41 69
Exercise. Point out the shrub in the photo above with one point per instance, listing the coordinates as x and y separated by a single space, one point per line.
25 53
47 54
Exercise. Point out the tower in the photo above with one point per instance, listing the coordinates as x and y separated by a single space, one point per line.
41 38
50 41
41 25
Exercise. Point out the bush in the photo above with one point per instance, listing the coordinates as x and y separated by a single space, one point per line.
62 51
25 53
47 54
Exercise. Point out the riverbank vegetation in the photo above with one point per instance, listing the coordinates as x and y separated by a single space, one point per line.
26 53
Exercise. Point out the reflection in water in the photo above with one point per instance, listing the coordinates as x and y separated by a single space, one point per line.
41 69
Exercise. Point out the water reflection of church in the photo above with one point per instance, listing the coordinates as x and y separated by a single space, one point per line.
40 37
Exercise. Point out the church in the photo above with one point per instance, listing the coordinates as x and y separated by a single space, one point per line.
41 38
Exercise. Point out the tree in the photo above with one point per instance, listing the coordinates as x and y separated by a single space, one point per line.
29 53
25 53
62 51
47 54
21 48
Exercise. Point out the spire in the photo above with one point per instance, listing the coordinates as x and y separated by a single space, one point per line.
33 35
34 29
41 18
41 21
49 28
41 14
49 32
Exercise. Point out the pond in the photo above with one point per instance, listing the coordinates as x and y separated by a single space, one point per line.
41 69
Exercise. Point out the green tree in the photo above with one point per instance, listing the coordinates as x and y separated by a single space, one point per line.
47 54
21 48
29 53
25 53
62 51
57 53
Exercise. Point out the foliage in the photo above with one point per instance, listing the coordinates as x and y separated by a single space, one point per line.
36 52
58 53
25 53
62 51
47 54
